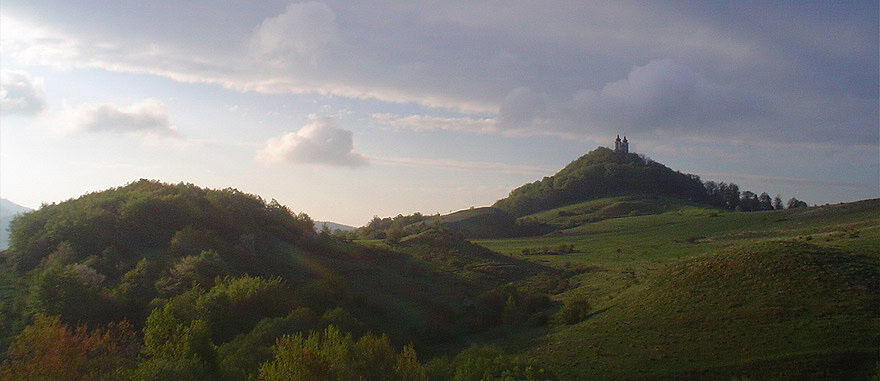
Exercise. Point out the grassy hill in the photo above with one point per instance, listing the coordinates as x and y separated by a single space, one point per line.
575 215
778 310
486 222
696 292
601 173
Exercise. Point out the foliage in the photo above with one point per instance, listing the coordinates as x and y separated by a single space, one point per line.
575 309
73 291
490 363
378 228
243 355
795 203
49 349
332 355
220 277
175 349
603 173
128 223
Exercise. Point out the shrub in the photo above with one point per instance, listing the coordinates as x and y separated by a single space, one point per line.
490 363
575 309
332 355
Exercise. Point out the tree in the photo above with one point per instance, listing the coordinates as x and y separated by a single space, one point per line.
777 202
176 350
729 195
49 350
332 355
795 203
749 201
764 201
394 233
73 292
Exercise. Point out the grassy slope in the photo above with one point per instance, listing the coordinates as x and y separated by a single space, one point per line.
604 208
641 256
763 305
633 247
473 223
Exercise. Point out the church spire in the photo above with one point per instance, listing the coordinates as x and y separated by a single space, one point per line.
621 146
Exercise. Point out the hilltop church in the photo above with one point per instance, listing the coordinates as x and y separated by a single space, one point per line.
621 145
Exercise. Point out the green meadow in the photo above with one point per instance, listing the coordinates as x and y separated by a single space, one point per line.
695 292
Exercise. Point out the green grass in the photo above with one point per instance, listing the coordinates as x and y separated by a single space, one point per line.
635 246
701 293
775 301
604 208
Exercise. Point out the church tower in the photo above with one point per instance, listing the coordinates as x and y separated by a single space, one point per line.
621 145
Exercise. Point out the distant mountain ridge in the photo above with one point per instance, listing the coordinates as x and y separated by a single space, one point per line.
8 211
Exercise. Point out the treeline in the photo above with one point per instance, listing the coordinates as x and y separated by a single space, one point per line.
49 349
728 196
392 228
603 173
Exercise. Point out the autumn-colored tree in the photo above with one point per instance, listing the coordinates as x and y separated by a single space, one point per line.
49 350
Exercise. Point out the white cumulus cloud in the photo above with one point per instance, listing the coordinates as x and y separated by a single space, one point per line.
320 142
149 116
21 94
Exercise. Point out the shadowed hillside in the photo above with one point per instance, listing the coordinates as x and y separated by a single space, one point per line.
239 270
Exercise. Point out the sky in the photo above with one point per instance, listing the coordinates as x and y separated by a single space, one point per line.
348 110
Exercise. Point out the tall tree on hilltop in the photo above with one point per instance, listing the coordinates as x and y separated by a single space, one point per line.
777 202
764 201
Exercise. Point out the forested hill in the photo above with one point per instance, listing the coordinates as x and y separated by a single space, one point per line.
601 173
113 229
206 281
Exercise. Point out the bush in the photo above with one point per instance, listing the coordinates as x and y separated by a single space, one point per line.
575 309
490 363
330 355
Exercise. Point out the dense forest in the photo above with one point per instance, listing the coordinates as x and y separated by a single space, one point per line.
159 281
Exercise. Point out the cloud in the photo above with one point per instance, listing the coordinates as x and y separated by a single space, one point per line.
427 123
319 142
302 30
21 94
149 117
661 94
461 165
805 74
